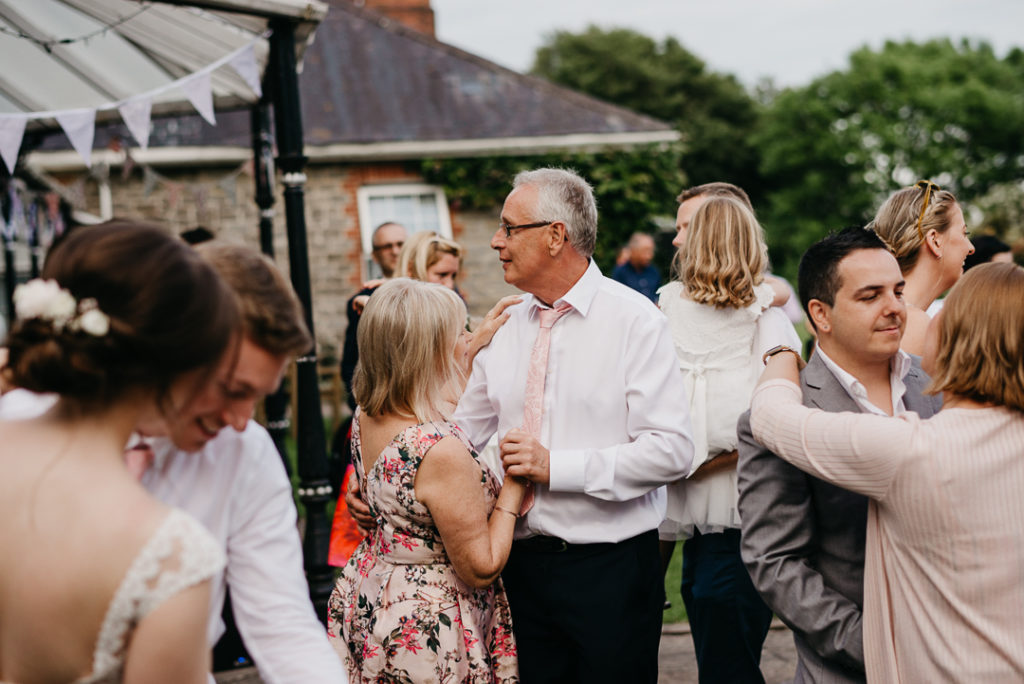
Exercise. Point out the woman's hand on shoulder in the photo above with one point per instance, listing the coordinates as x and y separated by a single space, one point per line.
359 303
494 319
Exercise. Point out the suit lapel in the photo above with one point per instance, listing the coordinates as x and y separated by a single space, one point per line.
822 390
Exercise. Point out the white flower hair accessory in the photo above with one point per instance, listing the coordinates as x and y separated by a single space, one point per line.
46 300
90 319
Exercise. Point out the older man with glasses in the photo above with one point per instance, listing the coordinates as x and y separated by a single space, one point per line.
388 239
584 390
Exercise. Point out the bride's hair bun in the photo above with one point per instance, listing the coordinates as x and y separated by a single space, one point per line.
161 310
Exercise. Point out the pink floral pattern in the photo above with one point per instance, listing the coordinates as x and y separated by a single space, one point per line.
399 613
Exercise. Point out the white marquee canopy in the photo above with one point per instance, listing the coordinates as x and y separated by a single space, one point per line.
74 62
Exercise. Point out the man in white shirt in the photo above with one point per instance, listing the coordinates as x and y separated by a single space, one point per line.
803 538
234 483
583 578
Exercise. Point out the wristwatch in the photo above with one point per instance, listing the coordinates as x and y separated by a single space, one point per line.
779 348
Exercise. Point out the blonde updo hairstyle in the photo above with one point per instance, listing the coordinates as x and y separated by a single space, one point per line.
422 250
406 338
724 256
896 222
980 351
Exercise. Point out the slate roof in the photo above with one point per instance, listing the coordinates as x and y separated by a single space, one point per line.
368 79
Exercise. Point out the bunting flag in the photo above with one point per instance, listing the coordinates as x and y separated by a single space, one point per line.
173 195
52 205
227 185
80 124
75 194
12 130
199 93
80 127
136 116
101 172
199 195
128 166
149 179
244 63
9 227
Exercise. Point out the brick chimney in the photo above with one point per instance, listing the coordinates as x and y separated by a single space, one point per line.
415 14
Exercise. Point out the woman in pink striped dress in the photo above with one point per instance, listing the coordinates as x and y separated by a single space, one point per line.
944 573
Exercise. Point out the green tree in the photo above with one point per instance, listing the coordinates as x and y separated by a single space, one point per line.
1001 212
712 111
833 150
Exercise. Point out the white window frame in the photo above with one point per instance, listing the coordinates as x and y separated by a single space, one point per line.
367 223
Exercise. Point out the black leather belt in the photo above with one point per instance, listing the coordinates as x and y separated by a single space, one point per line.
545 544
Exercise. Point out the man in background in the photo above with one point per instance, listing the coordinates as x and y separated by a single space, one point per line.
638 272
387 242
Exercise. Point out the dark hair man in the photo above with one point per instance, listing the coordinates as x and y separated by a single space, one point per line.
802 538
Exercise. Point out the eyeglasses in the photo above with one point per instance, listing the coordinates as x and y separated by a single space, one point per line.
508 229
388 246
927 186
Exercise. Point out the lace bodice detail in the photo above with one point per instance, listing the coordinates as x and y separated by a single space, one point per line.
180 554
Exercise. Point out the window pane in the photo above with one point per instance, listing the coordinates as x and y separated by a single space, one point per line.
415 212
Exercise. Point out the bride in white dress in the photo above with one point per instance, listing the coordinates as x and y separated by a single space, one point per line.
99 582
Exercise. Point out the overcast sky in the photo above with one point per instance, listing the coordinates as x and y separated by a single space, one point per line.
791 41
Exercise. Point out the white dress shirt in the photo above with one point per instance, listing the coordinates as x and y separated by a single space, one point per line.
899 366
238 489
615 415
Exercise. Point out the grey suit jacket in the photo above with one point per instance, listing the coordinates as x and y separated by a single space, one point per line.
803 538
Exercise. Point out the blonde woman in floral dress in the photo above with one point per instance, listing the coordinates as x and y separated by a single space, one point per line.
421 600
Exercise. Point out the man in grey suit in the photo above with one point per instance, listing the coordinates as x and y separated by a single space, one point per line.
802 538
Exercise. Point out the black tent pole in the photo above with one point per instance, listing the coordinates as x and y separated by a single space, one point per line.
314 488
275 405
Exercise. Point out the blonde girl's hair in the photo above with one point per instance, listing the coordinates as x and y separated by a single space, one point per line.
406 338
904 220
422 250
724 256
981 337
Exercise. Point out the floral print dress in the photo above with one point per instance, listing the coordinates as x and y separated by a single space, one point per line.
399 613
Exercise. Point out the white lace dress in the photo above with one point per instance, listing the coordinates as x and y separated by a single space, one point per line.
180 554
716 350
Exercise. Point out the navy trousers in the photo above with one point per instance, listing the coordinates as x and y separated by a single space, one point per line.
728 619
587 613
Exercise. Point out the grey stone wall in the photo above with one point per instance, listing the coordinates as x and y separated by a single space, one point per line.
185 199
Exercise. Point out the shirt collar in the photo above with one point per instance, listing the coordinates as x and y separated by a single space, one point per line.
899 366
580 296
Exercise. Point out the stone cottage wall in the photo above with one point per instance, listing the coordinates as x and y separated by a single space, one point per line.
185 199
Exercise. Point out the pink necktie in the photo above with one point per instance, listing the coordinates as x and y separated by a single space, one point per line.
533 399
138 459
